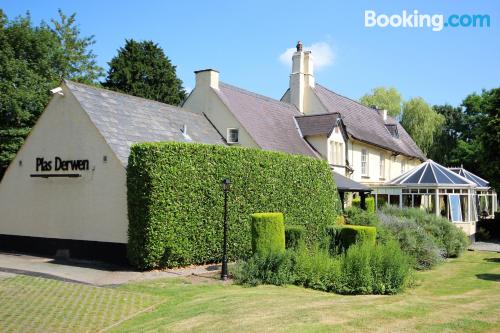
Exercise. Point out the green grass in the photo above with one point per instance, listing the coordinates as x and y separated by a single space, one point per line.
462 295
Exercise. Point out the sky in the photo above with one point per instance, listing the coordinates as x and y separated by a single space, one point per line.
251 42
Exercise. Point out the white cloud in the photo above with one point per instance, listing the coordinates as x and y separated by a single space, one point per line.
322 54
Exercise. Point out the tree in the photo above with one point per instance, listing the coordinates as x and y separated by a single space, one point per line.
142 69
446 141
421 122
77 60
384 98
33 60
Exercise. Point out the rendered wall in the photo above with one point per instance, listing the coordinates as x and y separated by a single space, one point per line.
92 207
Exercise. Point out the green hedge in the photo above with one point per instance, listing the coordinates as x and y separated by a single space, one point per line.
268 233
294 235
370 203
175 200
341 237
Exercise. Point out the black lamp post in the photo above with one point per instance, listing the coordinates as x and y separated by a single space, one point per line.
226 186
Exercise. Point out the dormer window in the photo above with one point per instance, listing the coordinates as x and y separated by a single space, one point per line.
393 129
232 135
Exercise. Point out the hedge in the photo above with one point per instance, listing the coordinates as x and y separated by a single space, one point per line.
369 201
268 233
294 235
343 236
175 200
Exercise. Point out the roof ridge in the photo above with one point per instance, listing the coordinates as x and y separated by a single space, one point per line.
257 95
122 93
319 114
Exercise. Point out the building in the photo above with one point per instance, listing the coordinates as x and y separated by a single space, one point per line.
66 188
359 142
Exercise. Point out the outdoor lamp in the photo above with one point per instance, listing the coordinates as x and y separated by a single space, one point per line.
226 186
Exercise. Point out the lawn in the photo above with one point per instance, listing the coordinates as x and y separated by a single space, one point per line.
462 295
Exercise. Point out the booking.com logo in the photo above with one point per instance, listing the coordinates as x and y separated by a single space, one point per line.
416 20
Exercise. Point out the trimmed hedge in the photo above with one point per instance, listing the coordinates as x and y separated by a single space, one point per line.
175 200
268 233
343 236
369 201
294 235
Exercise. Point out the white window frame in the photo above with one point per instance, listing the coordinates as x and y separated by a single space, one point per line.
365 163
228 135
382 166
403 166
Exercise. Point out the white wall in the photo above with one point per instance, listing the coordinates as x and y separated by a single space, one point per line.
203 99
92 207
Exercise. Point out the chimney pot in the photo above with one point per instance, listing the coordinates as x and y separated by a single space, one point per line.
299 46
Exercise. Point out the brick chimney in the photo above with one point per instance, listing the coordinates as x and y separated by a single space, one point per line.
207 78
302 76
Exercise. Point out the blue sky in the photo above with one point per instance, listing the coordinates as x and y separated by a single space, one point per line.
244 41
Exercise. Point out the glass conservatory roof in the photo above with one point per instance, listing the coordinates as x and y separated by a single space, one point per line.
480 182
432 174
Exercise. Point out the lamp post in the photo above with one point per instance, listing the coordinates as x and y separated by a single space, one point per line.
226 186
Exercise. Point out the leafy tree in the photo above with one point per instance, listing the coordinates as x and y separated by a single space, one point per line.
444 147
384 98
142 69
77 61
33 60
421 122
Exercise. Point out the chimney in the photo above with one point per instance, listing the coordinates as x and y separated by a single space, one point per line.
207 78
302 76
384 114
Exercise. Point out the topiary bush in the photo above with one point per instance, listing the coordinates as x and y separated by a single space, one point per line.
175 200
369 201
294 235
268 233
341 237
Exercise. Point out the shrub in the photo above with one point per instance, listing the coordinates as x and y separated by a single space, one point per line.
369 201
447 236
268 233
358 216
342 237
294 235
175 201
356 270
271 268
316 269
413 240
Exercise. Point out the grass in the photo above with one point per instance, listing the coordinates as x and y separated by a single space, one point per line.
462 295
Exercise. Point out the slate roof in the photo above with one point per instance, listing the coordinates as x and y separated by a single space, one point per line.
124 119
270 123
317 124
367 125
431 173
480 182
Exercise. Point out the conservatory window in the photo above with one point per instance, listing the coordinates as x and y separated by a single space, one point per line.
455 208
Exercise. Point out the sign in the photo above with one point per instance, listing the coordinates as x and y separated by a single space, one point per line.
61 165
43 167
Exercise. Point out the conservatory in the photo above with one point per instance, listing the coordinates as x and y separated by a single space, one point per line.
486 197
435 189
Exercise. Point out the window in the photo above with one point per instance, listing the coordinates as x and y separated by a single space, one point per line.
232 135
403 166
364 162
382 166
336 153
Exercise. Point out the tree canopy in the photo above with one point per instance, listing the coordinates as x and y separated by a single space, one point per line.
470 135
421 122
384 98
142 69
33 60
